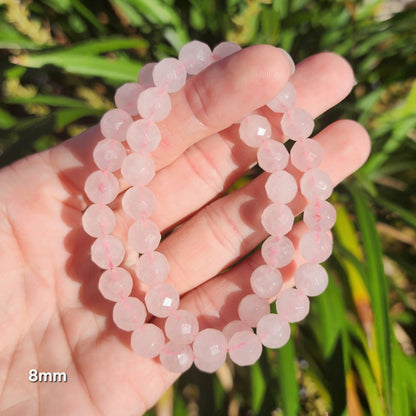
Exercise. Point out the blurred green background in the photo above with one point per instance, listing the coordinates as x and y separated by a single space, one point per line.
61 61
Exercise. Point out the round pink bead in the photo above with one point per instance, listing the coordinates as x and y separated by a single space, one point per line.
126 97
176 358
273 331
115 284
319 216
114 124
139 202
284 100
144 236
154 103
143 136
147 341
101 187
244 348
196 56
210 350
292 305
181 327
266 281
254 130
137 169
306 154
311 279
109 154
152 268
297 124
107 252
161 300
277 219
224 49
281 187
272 156
145 76
277 251
316 184
98 220
315 246
169 74
129 314
252 308
235 326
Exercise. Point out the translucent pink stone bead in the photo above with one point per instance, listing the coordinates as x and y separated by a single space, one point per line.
147 341
277 251
254 130
297 124
98 220
161 300
311 279
107 252
169 74
143 136
114 124
129 314
315 246
154 103
224 49
252 308
281 187
126 97
101 187
137 169
181 327
145 76
273 331
235 326
115 284
292 305
319 215
277 219
272 156
244 348
152 268
306 154
210 350
284 100
176 358
316 184
139 202
266 281
108 154
144 236
196 56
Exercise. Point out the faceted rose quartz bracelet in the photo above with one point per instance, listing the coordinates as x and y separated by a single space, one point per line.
185 344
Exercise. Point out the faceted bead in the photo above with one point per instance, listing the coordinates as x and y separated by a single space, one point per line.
147 341
176 358
224 49
115 284
252 308
315 246
254 130
235 326
292 305
114 124
196 56
297 124
284 100
319 216
152 268
139 202
145 76
107 252
143 136
277 251
311 279
281 187
129 314
101 187
137 169
154 103
210 350
316 184
273 331
266 281
109 154
126 97
161 300
306 154
169 74
272 156
244 348
181 327
98 220
144 236
277 219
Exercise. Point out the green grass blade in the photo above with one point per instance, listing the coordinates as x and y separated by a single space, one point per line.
405 214
258 387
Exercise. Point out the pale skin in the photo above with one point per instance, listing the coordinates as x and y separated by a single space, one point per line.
52 317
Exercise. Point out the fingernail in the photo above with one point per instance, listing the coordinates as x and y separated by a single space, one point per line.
292 64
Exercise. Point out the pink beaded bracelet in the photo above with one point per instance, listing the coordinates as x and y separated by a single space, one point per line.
149 98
